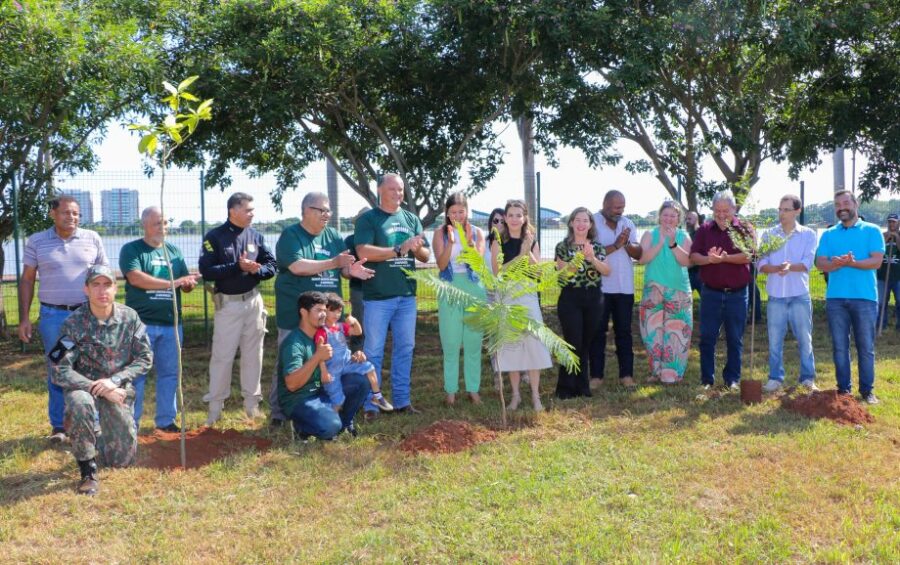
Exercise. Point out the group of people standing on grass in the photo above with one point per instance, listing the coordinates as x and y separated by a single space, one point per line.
99 352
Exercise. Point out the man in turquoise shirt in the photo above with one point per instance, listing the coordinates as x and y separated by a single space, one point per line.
850 252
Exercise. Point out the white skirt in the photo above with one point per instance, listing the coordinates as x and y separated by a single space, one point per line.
528 353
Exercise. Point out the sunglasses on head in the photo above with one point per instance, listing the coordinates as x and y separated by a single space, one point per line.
499 221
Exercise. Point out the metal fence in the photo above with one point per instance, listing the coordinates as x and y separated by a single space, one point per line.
111 204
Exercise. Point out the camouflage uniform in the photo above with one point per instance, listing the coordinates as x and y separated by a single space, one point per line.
89 350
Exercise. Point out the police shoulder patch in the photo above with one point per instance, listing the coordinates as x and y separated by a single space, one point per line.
63 345
207 245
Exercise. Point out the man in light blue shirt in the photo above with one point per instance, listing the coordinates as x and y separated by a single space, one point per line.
788 288
851 252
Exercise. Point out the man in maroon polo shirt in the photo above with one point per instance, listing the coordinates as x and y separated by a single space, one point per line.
725 273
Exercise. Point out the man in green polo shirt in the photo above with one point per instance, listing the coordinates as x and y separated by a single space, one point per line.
391 239
300 393
311 255
148 291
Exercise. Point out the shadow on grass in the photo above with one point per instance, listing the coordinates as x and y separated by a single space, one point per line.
771 423
22 486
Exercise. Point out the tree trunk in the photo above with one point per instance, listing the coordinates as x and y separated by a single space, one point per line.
332 182
525 127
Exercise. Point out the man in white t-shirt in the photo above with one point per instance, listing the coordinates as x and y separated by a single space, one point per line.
618 236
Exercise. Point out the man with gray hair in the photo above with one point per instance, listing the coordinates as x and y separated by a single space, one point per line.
725 272
149 293
311 256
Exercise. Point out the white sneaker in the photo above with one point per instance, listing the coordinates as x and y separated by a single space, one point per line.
809 385
772 386
215 412
253 413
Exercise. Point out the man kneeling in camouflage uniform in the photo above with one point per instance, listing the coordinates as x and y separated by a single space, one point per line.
102 347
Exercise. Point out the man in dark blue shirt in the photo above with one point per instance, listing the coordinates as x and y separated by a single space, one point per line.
236 259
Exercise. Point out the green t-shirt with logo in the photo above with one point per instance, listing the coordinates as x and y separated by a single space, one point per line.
296 349
379 228
296 243
153 306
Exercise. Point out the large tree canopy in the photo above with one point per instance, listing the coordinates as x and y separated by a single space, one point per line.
66 70
410 87
855 100
687 81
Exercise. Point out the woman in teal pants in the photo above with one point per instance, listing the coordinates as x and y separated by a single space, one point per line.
455 333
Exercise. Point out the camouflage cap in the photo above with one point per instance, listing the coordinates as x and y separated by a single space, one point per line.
99 271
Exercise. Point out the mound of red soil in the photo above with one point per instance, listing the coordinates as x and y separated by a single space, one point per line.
447 436
202 446
842 408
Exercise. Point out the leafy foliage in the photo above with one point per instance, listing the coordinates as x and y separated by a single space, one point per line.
66 70
502 322
693 81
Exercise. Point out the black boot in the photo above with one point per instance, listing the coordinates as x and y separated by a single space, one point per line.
89 484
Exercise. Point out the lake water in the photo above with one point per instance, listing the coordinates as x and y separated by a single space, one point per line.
190 247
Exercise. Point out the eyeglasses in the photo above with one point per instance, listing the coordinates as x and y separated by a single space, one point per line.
498 221
322 211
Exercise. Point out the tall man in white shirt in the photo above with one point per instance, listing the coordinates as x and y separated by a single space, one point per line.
618 236
788 288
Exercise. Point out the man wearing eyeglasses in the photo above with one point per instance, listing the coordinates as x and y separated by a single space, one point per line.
312 256
236 258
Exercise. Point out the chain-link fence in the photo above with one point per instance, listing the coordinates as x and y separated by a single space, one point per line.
111 204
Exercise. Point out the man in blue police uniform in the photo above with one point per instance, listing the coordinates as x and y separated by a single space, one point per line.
236 258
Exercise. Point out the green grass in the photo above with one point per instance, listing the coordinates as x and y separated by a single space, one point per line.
654 475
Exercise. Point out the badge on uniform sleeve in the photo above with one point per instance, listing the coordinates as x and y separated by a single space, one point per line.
63 346
207 245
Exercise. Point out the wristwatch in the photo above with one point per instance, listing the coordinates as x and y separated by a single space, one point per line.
116 380
397 251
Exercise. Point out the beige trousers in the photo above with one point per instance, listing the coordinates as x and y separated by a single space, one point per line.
237 324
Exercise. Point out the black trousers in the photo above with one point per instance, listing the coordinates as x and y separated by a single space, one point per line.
579 311
620 308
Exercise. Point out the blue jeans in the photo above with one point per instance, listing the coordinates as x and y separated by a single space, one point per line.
796 312
719 308
316 416
844 315
165 360
335 389
51 320
398 314
882 296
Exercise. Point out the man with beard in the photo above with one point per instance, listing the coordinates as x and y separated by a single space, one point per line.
851 252
618 236
311 255
300 392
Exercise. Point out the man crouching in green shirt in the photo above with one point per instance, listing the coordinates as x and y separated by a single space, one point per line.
300 392
102 347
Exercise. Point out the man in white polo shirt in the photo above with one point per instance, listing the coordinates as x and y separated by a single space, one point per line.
618 236
62 256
